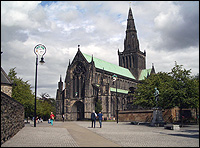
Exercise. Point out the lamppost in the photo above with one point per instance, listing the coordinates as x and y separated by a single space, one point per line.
38 50
115 79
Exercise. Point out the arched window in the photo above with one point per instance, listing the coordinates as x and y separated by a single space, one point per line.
74 87
77 87
130 62
133 60
126 62
82 87
123 61
78 80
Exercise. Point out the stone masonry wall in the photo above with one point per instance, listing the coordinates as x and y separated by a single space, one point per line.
12 117
137 115
169 115
7 89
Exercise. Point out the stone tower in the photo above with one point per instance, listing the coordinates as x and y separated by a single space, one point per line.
59 98
132 58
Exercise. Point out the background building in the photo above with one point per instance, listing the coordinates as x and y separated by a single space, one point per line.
89 79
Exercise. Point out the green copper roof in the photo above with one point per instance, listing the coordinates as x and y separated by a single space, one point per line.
119 90
144 74
109 67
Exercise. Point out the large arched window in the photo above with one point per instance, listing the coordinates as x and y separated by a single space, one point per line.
79 80
124 61
130 62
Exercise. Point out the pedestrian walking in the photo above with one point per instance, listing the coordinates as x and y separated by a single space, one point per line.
100 117
52 118
63 116
37 119
93 118
49 120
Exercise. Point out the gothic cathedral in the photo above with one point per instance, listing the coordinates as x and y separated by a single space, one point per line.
89 80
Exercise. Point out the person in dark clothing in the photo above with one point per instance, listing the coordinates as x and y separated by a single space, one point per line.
100 116
93 118
63 116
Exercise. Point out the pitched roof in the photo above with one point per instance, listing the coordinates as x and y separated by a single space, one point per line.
144 74
115 69
4 78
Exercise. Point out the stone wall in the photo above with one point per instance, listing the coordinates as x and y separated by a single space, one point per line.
169 115
7 89
136 115
12 117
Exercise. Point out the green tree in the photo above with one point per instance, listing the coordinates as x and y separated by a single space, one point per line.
98 106
21 91
177 88
45 105
186 94
144 94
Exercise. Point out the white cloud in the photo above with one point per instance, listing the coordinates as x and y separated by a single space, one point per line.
99 27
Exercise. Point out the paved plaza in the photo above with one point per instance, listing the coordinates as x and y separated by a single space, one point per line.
123 134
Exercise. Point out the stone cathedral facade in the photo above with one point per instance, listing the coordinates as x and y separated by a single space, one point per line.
89 79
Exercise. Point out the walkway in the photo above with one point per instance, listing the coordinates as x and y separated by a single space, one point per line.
123 134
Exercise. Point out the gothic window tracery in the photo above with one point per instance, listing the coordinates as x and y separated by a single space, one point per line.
79 80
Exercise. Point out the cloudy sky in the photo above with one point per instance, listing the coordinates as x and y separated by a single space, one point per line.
167 31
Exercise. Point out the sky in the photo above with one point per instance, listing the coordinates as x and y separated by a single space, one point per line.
167 30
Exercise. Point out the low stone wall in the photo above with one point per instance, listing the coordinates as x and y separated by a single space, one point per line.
12 117
169 115
136 115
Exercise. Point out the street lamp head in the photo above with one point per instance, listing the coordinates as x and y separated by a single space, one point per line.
42 60
40 50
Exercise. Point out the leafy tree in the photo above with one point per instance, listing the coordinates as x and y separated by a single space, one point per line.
45 105
21 91
177 88
144 94
186 89
98 106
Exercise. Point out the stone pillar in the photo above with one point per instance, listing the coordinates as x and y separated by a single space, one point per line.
157 117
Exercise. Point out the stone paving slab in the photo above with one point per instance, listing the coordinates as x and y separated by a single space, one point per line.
41 137
61 134
123 134
129 135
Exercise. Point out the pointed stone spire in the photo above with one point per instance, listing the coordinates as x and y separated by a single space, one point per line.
78 47
153 69
60 78
92 59
60 84
69 63
130 15
130 21
131 42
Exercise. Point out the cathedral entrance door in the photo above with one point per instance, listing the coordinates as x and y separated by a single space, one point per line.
80 110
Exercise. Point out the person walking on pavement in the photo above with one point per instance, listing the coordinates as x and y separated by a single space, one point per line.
100 116
52 118
63 116
93 118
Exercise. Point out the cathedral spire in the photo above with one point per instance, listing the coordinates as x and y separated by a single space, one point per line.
130 21
132 58
60 84
131 42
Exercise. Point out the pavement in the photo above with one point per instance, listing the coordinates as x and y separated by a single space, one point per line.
123 134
